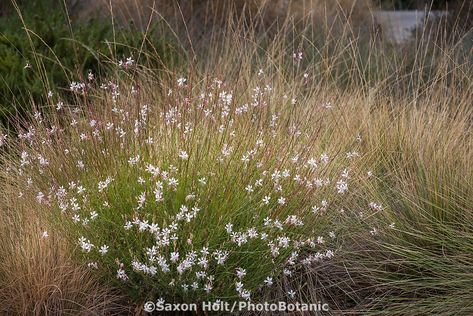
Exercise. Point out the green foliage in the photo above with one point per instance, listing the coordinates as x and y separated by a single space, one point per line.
59 52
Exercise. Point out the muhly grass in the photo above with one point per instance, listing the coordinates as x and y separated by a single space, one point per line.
39 278
423 265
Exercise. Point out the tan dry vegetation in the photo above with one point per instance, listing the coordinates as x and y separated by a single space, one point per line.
201 16
38 276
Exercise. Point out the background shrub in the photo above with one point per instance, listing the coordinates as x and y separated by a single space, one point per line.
52 51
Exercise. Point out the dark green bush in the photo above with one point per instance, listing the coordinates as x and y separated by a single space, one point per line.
58 52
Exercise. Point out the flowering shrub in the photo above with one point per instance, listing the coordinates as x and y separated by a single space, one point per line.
202 190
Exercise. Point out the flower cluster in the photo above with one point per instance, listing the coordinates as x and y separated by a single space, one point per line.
172 196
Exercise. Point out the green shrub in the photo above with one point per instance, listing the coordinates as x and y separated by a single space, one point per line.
52 53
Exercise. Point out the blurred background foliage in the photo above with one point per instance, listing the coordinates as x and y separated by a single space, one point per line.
43 49
48 46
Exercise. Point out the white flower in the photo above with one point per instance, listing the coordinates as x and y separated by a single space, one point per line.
43 161
281 201
183 155
203 262
3 137
268 281
133 160
143 225
342 186
128 63
190 197
266 199
238 286
59 105
240 272
93 215
181 81
293 220
104 184
329 254
45 234
249 188
85 244
172 182
77 86
121 275
252 233
352 154
174 256
297 56
208 288
283 241
245 294
375 206
327 105
291 294
312 163
141 200
93 265
128 225
103 249
221 256
40 197
324 158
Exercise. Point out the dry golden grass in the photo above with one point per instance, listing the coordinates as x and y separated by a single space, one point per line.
38 276
202 16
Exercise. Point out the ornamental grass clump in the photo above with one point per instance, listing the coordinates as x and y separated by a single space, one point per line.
189 188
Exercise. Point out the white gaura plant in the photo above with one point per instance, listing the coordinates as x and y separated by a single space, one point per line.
197 190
